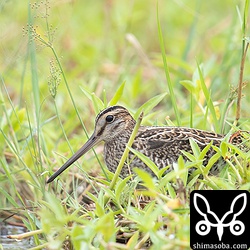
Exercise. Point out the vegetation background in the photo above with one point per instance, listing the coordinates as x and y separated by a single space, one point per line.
63 61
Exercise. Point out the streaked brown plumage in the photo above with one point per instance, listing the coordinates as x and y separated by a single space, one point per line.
163 145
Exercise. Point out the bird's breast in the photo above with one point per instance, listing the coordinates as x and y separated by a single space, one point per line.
113 151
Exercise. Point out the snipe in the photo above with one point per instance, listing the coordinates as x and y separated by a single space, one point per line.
163 145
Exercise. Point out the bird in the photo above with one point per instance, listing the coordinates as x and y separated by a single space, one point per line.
161 144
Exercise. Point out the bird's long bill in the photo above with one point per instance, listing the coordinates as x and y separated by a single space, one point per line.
93 140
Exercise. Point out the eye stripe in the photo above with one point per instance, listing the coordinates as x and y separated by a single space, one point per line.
102 129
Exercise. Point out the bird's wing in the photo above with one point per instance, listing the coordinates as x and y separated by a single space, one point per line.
177 137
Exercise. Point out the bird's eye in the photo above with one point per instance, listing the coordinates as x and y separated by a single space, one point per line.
110 118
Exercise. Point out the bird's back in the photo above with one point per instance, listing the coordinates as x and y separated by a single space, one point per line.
163 146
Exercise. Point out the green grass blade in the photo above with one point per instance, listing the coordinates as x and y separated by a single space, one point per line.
208 99
117 95
146 160
125 153
33 65
149 105
169 82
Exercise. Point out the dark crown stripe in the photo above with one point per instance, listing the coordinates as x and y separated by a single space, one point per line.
112 108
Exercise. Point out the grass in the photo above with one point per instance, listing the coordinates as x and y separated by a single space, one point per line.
53 83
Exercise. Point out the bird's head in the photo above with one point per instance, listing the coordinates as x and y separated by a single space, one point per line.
109 124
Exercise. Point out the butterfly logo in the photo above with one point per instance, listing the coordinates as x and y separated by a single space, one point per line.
203 227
